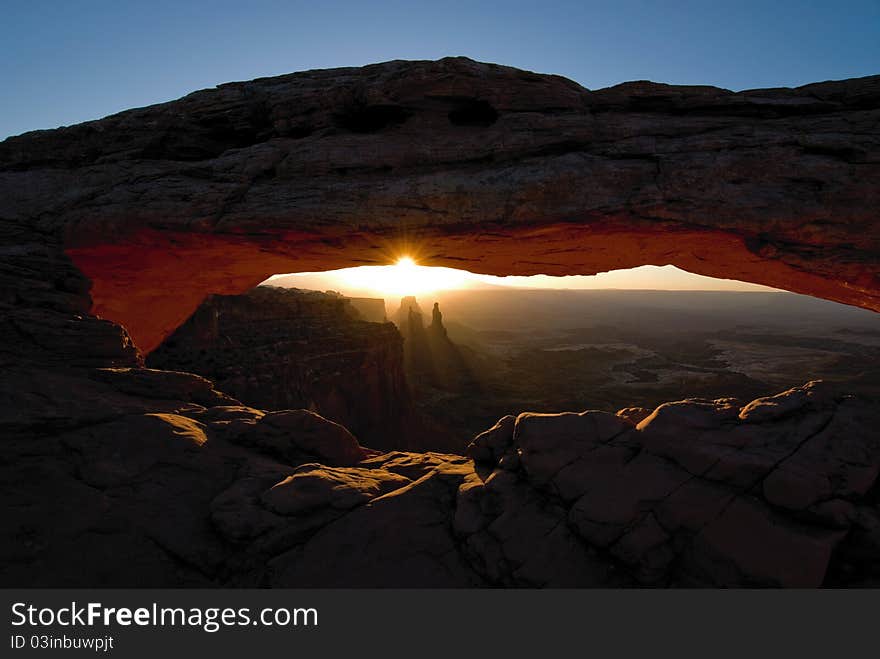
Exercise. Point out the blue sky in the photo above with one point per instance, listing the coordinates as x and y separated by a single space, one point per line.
69 61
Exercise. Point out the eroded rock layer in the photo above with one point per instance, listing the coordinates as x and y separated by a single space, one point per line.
153 478
457 163
275 348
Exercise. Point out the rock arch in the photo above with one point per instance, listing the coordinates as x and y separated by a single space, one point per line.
464 164
137 216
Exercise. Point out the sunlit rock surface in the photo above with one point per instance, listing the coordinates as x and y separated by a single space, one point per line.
461 164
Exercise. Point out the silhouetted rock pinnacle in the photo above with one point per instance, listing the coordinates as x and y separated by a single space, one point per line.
437 321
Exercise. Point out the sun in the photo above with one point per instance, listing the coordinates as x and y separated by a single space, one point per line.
405 277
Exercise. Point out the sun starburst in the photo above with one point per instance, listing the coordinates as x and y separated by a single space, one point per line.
405 277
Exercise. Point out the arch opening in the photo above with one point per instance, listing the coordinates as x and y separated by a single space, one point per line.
413 357
152 281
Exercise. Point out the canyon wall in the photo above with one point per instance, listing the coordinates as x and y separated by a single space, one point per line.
371 309
278 349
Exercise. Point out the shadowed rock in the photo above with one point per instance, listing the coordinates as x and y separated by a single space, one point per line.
472 165
224 494
700 493
276 348
114 231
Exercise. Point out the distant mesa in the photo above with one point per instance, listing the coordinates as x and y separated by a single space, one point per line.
371 309
284 348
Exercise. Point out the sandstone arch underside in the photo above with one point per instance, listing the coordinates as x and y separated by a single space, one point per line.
462 164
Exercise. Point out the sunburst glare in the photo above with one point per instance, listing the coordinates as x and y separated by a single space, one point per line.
405 277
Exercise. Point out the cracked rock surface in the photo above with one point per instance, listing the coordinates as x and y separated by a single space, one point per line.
152 478
700 492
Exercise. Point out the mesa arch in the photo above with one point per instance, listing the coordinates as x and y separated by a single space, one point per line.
471 165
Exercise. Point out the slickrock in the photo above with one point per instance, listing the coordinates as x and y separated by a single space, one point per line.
699 493
217 493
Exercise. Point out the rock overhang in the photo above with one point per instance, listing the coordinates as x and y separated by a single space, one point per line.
472 165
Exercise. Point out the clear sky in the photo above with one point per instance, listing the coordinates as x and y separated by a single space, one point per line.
68 61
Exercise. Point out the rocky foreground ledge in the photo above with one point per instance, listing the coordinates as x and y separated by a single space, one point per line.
137 477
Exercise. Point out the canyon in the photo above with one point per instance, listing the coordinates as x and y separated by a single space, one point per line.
275 348
284 348
113 232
